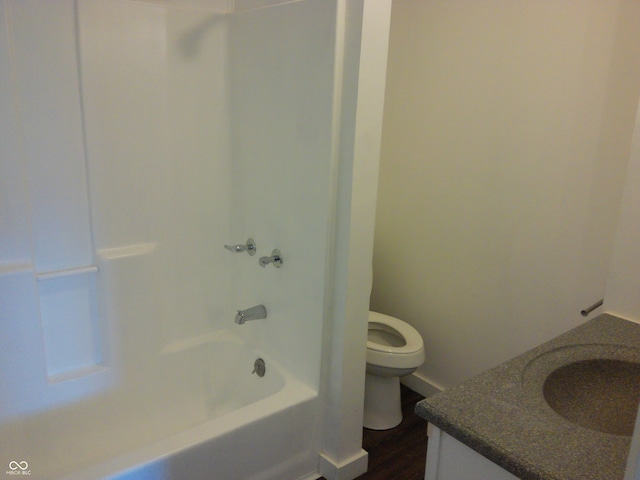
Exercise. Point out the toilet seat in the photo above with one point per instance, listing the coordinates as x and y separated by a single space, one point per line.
413 340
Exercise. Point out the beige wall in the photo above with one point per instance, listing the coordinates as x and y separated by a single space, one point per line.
507 130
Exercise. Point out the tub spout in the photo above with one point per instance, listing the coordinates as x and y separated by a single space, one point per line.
253 313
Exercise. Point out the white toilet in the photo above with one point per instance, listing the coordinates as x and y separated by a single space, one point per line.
394 349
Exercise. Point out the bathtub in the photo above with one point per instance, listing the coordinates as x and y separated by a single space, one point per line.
258 428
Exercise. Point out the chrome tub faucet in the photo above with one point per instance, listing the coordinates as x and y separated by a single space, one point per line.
254 313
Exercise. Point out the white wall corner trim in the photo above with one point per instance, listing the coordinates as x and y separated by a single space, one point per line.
421 384
348 469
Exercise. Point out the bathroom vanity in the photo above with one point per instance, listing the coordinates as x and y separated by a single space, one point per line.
564 410
449 459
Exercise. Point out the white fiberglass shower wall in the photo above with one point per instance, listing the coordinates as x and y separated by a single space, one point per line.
138 138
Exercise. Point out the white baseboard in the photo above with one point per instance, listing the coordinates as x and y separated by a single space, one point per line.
421 384
346 470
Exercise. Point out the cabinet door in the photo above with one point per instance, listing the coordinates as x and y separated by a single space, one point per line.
448 459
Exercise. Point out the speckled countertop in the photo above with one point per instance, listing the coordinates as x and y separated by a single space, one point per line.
502 413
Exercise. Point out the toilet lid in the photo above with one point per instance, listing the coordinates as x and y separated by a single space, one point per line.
411 336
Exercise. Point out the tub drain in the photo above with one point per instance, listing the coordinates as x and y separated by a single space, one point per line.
259 367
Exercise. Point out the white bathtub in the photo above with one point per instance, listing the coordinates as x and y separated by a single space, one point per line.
258 428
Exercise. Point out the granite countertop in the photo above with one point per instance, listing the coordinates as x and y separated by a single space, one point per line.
502 413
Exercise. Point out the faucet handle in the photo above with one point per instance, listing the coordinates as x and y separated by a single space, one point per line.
249 247
275 258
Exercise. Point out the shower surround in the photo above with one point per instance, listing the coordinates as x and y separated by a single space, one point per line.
139 138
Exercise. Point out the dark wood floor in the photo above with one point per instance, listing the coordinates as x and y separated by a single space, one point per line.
399 453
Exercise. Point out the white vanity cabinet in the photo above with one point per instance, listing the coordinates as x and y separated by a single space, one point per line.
449 459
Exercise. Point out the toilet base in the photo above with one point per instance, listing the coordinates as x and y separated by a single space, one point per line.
382 407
